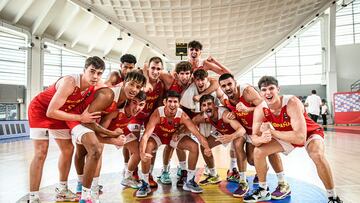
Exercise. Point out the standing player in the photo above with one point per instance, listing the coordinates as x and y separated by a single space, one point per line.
194 54
127 64
242 100
287 126
47 113
161 129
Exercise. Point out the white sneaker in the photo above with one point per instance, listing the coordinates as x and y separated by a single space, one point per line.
65 195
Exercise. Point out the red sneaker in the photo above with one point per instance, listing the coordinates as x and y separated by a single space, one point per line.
152 182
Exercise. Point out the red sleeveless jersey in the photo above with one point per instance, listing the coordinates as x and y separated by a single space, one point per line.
245 118
282 121
121 121
152 99
176 87
167 127
220 125
39 105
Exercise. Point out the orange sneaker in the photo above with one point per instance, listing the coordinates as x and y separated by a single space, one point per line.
152 182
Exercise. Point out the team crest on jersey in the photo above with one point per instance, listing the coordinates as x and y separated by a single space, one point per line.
266 112
285 116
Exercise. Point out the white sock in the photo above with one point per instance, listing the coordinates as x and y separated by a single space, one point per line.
263 185
34 195
85 193
62 185
331 193
128 173
190 175
151 168
233 163
95 182
182 165
80 178
146 178
166 168
281 177
125 166
212 172
242 176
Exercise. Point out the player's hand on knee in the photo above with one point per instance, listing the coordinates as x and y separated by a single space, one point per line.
87 117
175 137
265 136
118 132
207 152
225 138
266 126
145 157
119 141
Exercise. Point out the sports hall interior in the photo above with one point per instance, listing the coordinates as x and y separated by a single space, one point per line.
306 44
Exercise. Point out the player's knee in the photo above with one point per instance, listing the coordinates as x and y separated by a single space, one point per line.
193 147
316 156
40 155
94 151
68 150
259 153
238 143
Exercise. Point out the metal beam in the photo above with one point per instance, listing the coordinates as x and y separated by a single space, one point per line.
3 4
47 16
81 29
24 7
65 25
96 36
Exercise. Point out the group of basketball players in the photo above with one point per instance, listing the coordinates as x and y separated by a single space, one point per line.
181 109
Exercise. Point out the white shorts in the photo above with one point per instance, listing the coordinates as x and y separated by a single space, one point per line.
288 147
134 127
130 137
79 131
44 133
215 134
173 143
187 98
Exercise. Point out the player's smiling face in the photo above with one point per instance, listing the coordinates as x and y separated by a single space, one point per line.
270 93
171 104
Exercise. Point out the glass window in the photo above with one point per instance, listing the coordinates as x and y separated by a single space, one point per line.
13 57
298 62
348 23
60 62
289 80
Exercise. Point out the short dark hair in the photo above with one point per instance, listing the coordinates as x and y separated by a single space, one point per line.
313 91
206 97
267 80
200 74
323 100
172 93
183 66
96 62
195 44
136 76
141 95
156 60
225 76
129 58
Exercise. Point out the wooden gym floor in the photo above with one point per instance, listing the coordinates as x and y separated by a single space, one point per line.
342 151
